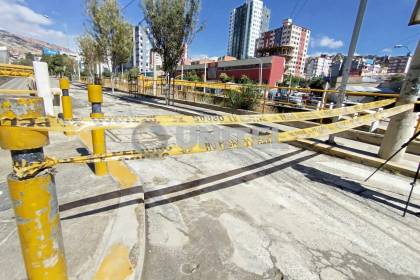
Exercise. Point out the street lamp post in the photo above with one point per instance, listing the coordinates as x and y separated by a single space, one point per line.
350 55
402 46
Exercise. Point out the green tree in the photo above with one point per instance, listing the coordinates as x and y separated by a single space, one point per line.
90 53
173 24
134 72
112 33
60 65
225 78
317 83
192 76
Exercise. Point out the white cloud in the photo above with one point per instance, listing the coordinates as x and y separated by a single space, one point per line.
18 18
327 42
387 50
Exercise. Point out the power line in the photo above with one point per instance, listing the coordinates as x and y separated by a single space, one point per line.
301 9
294 8
126 6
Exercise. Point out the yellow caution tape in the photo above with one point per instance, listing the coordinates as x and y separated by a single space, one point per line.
25 170
77 125
11 70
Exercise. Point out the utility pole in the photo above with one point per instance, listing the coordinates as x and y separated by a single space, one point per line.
205 76
154 74
348 62
401 127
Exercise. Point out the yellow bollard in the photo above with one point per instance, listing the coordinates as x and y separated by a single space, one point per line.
66 102
98 135
66 99
34 198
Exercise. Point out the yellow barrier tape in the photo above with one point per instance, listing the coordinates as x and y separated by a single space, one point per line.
77 125
17 91
247 142
11 70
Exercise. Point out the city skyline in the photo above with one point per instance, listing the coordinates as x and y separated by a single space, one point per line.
60 22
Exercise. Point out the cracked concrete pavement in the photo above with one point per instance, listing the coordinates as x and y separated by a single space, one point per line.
270 213
273 212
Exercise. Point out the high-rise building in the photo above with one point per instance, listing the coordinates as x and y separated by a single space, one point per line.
247 22
319 66
290 41
142 49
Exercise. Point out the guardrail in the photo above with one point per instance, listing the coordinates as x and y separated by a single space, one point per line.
265 99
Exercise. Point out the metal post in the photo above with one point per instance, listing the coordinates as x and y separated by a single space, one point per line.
34 198
205 76
401 126
350 55
98 135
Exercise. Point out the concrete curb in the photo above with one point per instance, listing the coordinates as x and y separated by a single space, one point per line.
354 157
122 250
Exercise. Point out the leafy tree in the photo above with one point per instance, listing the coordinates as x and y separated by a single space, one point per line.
90 53
192 76
290 80
134 72
112 33
60 64
225 78
317 83
172 24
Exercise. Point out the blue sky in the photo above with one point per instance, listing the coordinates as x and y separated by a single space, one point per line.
331 22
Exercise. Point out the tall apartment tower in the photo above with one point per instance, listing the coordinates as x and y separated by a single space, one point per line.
246 24
142 49
290 41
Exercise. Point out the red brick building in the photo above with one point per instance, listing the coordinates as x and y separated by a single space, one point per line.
273 68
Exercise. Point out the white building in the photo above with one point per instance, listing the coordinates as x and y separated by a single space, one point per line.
319 66
142 48
246 24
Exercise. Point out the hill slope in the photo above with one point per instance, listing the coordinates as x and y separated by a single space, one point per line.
19 45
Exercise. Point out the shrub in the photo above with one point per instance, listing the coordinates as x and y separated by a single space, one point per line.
246 98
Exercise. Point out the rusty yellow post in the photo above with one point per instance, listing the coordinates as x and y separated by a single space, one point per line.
98 135
34 198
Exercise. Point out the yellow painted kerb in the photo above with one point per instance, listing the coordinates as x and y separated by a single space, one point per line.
116 265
